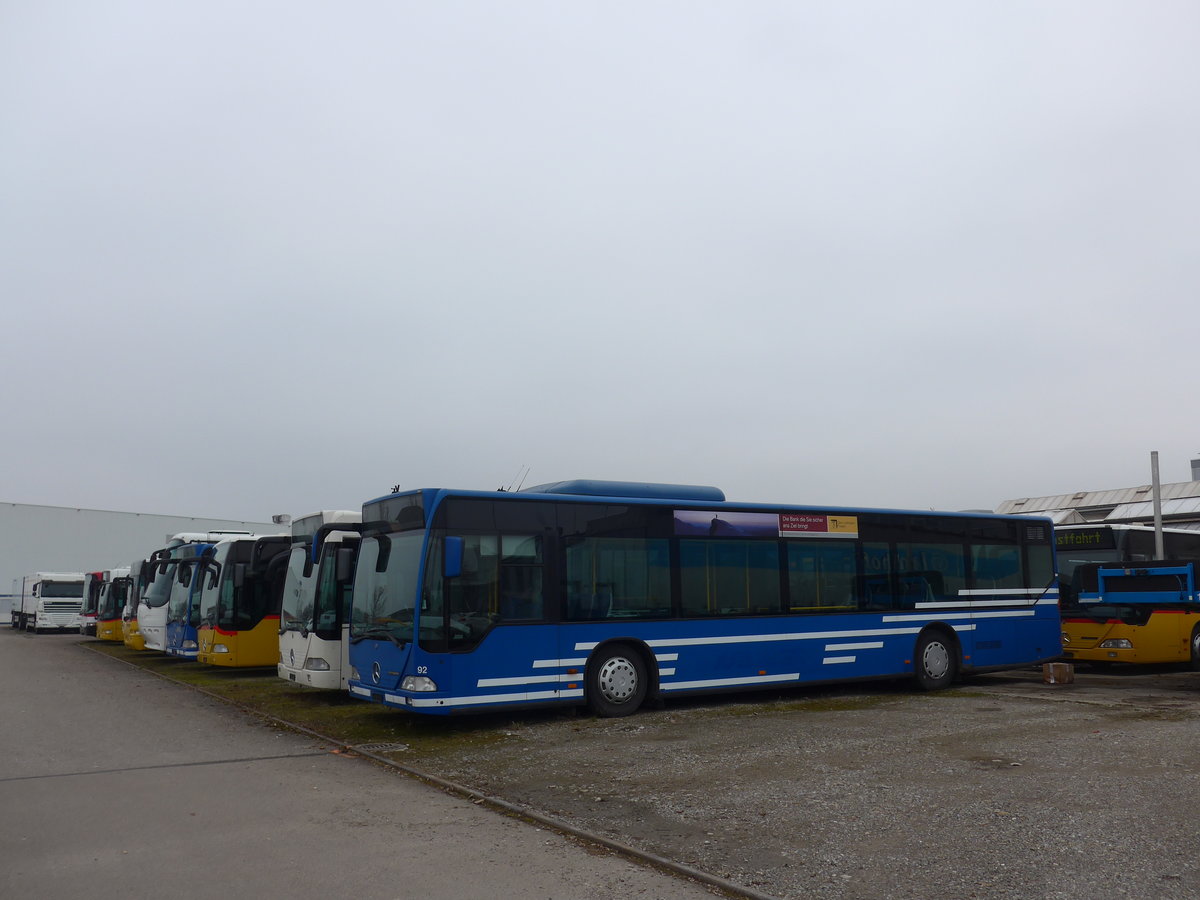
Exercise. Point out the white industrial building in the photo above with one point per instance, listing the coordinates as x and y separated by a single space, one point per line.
64 539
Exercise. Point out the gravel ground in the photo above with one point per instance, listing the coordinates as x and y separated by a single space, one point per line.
1003 787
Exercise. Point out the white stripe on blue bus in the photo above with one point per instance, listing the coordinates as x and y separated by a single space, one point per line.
775 638
485 698
557 663
729 682
541 679
998 592
838 659
530 679
872 645
941 617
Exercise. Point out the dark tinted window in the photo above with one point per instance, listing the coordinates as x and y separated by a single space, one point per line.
729 577
618 577
822 575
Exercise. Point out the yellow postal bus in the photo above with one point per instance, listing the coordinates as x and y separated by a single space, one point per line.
1119 604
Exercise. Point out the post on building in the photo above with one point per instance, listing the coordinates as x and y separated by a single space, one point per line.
1158 533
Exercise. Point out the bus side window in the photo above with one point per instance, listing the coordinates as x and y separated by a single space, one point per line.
723 577
618 577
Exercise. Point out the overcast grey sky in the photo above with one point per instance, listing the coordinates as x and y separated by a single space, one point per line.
262 257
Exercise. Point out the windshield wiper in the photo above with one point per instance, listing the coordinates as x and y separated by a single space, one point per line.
378 633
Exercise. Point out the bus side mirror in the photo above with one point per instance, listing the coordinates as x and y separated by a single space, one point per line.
343 567
454 557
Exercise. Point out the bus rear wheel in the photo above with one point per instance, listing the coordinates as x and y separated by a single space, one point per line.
616 681
936 660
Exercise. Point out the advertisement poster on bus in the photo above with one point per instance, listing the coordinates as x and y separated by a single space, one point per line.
714 523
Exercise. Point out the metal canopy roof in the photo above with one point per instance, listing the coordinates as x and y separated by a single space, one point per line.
1180 501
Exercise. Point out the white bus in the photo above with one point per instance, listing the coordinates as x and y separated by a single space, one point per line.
92 582
49 600
313 621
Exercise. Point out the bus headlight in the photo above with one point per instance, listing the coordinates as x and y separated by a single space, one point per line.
1066 638
316 664
418 683
220 648
354 674
1116 644
189 645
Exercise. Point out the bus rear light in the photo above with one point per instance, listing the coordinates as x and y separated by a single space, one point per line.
1117 644
418 684
316 664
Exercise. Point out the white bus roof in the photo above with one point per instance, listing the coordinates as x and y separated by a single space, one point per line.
203 537
307 524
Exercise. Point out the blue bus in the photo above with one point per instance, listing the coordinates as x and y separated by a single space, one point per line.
611 593
183 604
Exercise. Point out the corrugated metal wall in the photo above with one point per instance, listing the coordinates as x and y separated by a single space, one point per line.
62 539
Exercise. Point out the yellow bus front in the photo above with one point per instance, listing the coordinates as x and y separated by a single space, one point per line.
251 648
132 635
110 629
1125 635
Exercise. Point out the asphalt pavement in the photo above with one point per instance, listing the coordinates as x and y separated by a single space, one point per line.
116 783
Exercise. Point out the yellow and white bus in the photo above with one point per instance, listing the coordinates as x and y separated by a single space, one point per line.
240 590
110 606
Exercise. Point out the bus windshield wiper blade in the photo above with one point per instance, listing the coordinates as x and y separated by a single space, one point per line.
378 633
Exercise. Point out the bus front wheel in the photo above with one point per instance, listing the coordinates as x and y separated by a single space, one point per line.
616 681
936 661
1196 647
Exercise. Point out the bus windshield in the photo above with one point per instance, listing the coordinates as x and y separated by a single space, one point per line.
296 611
181 584
385 587
113 598
333 593
159 591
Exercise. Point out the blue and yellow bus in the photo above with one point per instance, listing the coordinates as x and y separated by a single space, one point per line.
610 593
